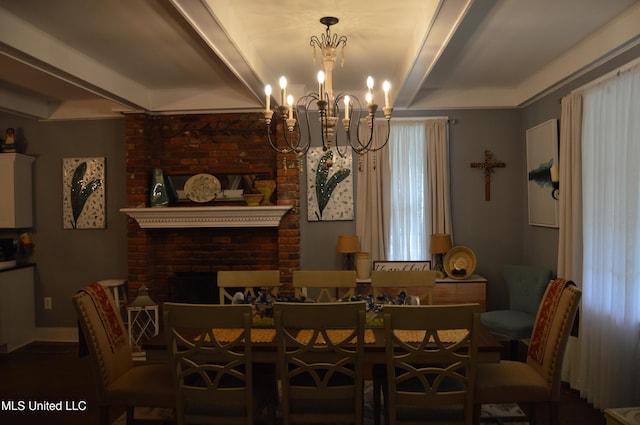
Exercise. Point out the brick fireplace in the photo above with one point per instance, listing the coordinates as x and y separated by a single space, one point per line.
215 144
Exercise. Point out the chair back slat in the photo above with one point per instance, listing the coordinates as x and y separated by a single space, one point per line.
229 281
432 378
213 374
326 282
402 280
320 359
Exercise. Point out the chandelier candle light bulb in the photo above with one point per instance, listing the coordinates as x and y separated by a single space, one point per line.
386 86
347 99
290 103
370 91
283 89
321 84
267 91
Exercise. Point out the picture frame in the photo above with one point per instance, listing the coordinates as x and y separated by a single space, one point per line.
329 187
542 154
83 193
402 265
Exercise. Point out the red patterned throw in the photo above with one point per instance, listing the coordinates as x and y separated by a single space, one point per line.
108 315
545 318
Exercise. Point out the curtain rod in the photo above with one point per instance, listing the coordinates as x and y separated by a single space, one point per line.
609 75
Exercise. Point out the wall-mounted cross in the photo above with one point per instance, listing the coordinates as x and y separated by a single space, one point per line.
488 165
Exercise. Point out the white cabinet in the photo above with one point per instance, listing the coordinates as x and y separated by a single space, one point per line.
17 308
16 199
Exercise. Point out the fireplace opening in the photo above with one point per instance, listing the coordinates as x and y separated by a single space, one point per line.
194 288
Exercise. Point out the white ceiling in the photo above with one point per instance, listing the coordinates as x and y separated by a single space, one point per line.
71 59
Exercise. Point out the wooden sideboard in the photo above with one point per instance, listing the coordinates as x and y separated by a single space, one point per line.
450 291
460 291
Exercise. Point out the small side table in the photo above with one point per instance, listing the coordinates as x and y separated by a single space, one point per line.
143 325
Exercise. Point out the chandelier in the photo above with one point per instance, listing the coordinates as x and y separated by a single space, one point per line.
289 118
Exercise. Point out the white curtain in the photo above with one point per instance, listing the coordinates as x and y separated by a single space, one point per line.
372 196
610 320
439 180
570 228
412 175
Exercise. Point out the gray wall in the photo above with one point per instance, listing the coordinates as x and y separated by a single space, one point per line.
66 260
492 229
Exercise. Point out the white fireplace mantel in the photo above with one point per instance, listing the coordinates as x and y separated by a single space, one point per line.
223 216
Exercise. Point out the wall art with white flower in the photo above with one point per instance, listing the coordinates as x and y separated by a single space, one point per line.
83 194
329 185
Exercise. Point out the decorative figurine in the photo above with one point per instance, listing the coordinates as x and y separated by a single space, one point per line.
9 144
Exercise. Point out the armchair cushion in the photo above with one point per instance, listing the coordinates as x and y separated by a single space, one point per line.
526 285
512 323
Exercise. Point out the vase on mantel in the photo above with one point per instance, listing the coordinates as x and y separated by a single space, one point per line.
266 187
158 196
363 265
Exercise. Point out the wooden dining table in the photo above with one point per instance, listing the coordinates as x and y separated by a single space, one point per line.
265 349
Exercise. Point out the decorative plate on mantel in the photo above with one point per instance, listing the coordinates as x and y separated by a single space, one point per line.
202 188
459 262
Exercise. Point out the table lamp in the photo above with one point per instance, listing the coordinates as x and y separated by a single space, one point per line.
440 244
348 244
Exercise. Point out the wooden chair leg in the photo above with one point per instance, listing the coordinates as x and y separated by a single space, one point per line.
104 415
477 409
532 413
130 411
377 402
554 413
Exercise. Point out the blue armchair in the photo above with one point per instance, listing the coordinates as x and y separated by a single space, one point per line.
526 286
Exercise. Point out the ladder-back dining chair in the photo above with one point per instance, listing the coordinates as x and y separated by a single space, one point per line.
330 285
320 361
431 363
212 361
104 337
405 280
232 281
536 381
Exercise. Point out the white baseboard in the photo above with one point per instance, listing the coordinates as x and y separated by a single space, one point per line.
56 334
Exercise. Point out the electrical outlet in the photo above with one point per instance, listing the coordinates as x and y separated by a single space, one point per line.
48 303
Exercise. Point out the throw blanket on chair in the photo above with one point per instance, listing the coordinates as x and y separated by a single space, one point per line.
108 315
545 318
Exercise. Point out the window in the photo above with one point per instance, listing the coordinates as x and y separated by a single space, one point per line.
409 212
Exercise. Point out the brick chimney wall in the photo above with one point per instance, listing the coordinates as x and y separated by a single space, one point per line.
214 144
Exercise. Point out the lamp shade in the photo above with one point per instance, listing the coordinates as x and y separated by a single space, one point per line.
440 243
348 244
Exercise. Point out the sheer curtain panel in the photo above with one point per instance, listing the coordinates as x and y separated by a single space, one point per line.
610 321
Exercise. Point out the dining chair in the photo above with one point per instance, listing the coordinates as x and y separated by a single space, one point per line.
526 286
430 363
330 285
536 381
320 361
405 280
212 362
118 382
232 281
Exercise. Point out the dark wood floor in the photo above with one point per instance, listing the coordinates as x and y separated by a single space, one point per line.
53 372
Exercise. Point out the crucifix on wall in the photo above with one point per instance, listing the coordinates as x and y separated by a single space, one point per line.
488 165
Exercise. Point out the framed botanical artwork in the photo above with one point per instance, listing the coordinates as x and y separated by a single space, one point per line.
329 185
83 194
402 265
542 155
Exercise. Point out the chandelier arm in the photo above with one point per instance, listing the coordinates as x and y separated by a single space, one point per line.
274 146
376 149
